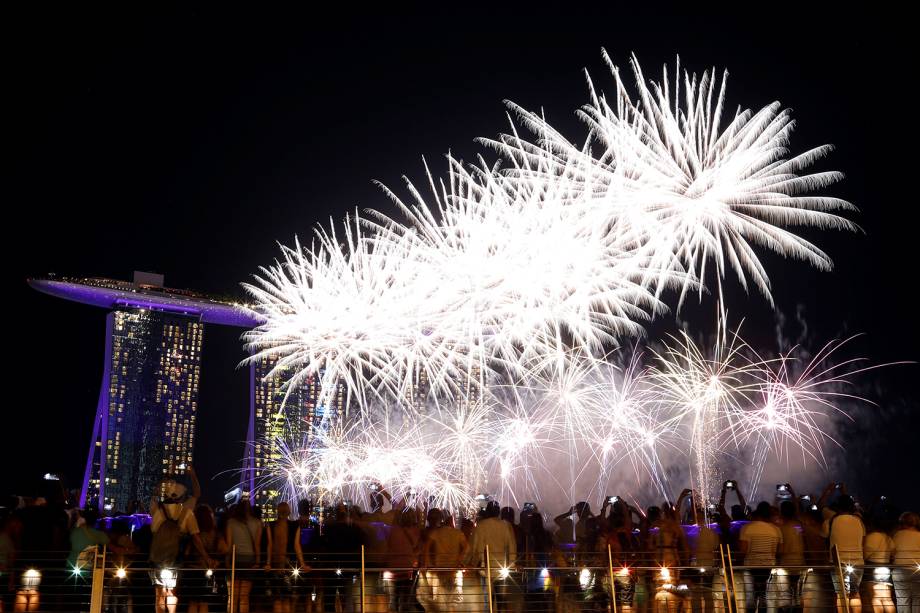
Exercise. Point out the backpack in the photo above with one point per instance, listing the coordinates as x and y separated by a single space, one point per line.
86 558
166 547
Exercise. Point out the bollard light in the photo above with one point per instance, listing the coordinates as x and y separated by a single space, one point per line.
584 578
31 579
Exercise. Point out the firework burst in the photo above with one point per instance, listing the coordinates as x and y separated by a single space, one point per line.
473 330
680 188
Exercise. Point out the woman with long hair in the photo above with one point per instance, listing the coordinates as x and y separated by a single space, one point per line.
208 580
244 542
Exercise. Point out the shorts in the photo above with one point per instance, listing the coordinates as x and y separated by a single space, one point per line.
851 579
245 570
280 583
625 588
166 577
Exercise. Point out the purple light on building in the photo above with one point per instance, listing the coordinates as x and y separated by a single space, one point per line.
111 294
145 420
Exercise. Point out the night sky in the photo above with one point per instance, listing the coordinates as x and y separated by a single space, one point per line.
189 142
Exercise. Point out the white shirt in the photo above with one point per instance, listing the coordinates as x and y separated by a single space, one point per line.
878 547
763 539
499 536
845 532
793 549
907 547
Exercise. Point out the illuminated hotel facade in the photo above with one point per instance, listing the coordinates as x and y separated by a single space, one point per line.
276 421
146 417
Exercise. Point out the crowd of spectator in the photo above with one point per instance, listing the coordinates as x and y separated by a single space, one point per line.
793 553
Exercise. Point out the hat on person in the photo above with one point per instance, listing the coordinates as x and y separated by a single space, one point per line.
174 490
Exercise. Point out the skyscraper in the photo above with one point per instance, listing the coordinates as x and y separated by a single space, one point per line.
276 421
145 422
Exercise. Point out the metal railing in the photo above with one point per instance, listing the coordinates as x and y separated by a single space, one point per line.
365 582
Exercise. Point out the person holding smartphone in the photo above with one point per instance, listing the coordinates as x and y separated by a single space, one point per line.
845 533
760 541
740 511
443 552
906 575
792 552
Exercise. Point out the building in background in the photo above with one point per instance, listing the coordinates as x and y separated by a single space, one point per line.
146 417
145 422
278 424
278 419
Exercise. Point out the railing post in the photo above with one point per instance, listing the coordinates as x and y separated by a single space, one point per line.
362 579
232 578
731 573
489 578
725 586
98 577
613 583
844 592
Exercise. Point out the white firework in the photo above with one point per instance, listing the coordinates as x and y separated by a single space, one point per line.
565 431
685 189
632 426
520 269
706 394
476 319
798 398
353 312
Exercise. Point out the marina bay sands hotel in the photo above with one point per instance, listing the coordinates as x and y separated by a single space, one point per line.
146 417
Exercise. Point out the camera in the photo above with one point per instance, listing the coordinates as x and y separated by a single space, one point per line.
530 506
375 487
613 499
730 485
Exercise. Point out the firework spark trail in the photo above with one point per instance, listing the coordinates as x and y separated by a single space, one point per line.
562 250
564 434
799 396
705 393
503 286
521 269
681 188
